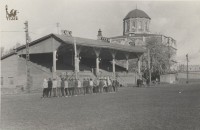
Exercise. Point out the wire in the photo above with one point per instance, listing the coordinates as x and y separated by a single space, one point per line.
11 31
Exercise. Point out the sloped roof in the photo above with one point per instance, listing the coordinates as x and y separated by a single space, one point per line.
99 44
136 13
82 42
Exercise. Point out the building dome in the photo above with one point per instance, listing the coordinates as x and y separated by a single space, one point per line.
136 22
136 13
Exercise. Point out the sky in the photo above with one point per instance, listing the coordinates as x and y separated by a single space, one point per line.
180 20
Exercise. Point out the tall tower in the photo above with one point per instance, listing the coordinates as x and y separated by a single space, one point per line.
99 34
136 22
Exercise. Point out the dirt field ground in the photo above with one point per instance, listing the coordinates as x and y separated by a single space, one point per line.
166 107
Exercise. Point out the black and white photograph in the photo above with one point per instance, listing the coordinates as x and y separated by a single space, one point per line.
100 65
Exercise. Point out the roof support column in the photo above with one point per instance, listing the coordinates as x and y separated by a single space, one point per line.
139 65
77 59
113 53
54 63
127 62
97 52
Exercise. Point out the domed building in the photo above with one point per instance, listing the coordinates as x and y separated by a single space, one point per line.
136 22
136 32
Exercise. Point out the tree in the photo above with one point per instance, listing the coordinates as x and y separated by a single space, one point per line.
159 55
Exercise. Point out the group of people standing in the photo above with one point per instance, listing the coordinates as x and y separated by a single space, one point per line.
63 87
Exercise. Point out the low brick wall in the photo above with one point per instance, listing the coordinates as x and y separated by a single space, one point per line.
168 78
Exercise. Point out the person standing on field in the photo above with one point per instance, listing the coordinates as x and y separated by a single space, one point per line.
91 84
105 86
84 86
71 87
101 84
96 86
66 88
58 86
109 84
62 87
45 88
75 87
79 87
49 87
87 85
54 87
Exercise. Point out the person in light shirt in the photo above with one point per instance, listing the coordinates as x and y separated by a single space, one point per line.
45 88
109 84
91 84
105 86
79 87
54 87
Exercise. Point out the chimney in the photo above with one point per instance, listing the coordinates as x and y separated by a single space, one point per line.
99 34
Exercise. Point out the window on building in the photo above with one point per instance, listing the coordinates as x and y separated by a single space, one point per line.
128 26
1 80
133 26
125 26
146 26
140 26
11 80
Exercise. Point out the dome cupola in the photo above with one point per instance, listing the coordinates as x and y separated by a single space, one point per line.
136 21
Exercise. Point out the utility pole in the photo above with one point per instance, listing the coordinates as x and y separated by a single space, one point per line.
28 82
187 69
75 58
57 25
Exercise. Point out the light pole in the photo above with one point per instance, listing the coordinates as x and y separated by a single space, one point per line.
187 69
28 77
149 65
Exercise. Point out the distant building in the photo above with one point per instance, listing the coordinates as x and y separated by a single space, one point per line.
136 33
191 68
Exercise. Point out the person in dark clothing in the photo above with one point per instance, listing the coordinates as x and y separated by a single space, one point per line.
84 86
49 87
101 84
75 82
87 85
71 87
139 82
62 87
114 85
148 81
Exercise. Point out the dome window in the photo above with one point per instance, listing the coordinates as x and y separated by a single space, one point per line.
133 26
146 26
127 26
140 26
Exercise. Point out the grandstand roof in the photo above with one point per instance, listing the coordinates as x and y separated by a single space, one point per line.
82 42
